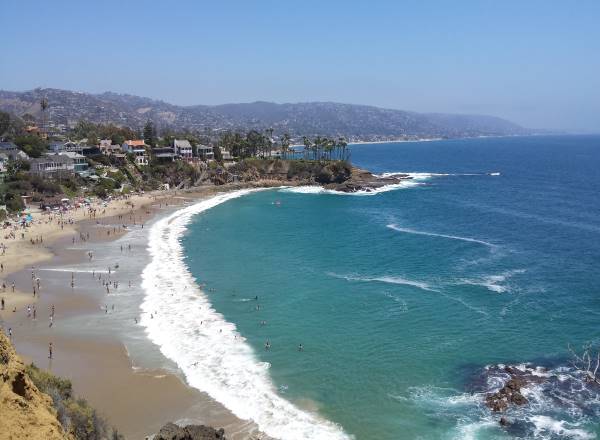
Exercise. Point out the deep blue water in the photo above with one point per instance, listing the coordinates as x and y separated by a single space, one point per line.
401 298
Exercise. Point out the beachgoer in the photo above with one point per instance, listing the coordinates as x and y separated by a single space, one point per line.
50 350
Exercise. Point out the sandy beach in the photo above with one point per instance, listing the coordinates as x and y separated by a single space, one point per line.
137 399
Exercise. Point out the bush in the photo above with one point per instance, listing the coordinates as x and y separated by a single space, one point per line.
31 144
76 415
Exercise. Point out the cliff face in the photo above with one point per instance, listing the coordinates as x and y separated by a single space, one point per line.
25 412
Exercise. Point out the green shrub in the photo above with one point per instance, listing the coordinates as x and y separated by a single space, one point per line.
75 414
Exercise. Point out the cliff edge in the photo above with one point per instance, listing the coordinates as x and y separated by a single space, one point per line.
26 411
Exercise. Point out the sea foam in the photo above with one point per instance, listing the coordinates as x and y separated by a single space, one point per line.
209 350
433 234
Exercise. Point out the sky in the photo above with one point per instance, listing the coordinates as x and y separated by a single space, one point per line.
534 62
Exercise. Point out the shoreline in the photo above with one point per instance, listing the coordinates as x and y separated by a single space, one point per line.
138 401
210 351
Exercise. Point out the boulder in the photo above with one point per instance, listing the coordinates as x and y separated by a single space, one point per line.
171 431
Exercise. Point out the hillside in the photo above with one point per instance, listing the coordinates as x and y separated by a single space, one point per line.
25 411
356 122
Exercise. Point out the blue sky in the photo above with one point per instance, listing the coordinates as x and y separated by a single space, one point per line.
534 62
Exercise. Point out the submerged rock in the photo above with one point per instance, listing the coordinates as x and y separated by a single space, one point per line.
171 431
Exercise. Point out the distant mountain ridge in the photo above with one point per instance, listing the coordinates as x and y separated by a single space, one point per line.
357 122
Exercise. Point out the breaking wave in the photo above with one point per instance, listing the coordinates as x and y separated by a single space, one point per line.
208 349
433 234
386 279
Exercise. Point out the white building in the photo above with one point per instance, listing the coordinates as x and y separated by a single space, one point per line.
183 149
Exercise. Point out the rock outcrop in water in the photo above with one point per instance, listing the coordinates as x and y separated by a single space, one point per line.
363 180
172 431
509 394
332 175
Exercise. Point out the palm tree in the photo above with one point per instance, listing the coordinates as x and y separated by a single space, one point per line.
269 140
329 147
307 145
318 145
343 144
285 144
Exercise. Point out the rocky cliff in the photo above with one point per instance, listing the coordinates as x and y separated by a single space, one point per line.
25 411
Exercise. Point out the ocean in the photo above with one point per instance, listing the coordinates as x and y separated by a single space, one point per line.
382 315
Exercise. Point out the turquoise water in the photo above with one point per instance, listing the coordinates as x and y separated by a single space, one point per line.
401 299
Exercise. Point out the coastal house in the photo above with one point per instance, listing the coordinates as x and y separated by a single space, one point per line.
225 154
109 149
88 150
164 154
12 151
3 165
52 165
205 152
136 147
80 164
183 149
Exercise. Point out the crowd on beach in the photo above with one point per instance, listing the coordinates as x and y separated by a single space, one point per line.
23 244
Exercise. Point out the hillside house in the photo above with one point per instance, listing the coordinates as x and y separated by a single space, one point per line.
80 164
109 149
138 149
52 165
164 154
12 151
183 149
205 152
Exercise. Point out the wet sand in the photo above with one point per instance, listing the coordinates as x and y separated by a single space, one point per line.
137 401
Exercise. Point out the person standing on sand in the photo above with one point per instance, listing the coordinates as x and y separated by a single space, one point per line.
50 350
13 287
2 304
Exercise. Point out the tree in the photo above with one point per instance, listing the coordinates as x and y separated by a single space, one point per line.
44 106
342 143
31 144
150 133
307 145
217 153
587 362
285 144
4 122
28 118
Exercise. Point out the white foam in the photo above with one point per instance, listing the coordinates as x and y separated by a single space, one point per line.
433 234
371 192
386 279
548 425
416 179
208 349
493 282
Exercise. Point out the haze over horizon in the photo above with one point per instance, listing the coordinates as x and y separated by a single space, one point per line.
535 64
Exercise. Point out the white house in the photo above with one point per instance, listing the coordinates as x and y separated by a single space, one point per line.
48 166
80 164
183 149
